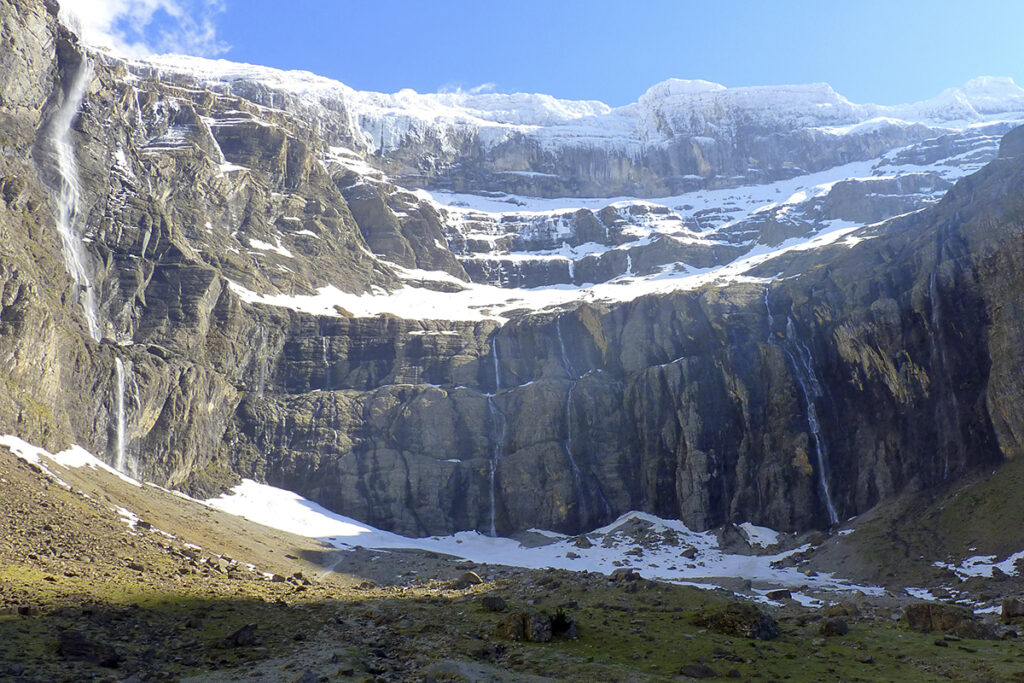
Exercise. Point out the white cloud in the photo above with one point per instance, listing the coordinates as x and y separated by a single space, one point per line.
136 28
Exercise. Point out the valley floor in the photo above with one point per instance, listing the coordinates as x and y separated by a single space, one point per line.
186 592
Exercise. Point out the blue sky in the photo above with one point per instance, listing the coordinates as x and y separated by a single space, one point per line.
869 50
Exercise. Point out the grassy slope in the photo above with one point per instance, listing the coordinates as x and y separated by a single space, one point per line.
63 565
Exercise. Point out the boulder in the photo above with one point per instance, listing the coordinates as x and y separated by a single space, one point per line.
834 627
952 619
467 579
624 575
1012 609
529 626
737 619
73 645
493 603
697 671
245 636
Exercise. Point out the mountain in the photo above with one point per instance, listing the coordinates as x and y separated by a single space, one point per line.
678 137
772 306
301 382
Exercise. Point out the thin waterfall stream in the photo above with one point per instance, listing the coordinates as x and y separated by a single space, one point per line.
497 440
938 345
124 461
809 385
577 477
70 195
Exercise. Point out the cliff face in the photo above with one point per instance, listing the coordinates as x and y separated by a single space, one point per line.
800 389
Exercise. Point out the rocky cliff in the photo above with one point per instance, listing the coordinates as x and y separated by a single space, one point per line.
209 275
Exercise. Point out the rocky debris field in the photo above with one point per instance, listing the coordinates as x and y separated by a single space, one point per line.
89 591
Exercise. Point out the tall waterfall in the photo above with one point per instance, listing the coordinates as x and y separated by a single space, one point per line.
809 385
577 477
497 363
497 441
261 363
940 347
123 460
324 353
70 195
771 319
569 371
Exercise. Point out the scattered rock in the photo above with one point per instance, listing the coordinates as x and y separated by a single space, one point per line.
780 594
737 619
583 542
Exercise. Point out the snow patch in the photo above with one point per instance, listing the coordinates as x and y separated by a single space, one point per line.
71 458
654 547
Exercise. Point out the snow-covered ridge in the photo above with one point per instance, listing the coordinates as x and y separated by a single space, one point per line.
669 109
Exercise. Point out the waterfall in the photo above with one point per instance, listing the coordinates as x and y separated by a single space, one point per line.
497 363
326 362
119 462
771 318
629 264
936 319
809 385
497 441
261 376
577 478
569 372
69 198
123 462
